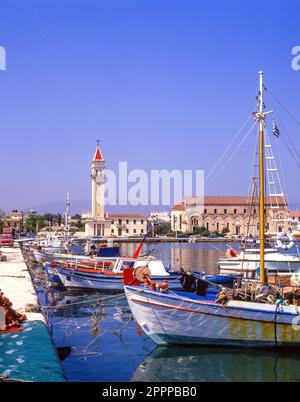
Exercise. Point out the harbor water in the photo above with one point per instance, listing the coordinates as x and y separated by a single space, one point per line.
98 340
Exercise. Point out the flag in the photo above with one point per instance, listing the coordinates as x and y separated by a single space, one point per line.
276 131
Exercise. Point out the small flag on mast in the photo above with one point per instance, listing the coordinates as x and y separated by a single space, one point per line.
276 131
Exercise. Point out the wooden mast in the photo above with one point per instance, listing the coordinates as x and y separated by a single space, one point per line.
261 118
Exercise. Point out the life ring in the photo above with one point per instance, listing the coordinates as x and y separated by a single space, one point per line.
280 241
231 253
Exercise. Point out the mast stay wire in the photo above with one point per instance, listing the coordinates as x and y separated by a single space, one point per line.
219 160
239 146
268 91
295 157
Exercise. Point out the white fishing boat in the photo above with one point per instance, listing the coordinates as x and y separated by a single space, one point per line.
246 262
108 273
253 314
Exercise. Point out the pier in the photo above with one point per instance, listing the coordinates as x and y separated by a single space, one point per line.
29 354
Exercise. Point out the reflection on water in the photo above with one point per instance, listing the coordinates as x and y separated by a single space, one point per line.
103 341
100 341
199 257
214 364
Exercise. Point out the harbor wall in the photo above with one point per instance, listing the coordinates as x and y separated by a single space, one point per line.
28 355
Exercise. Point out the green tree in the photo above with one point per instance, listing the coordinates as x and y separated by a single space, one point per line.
59 219
50 218
162 229
34 223
77 222
201 230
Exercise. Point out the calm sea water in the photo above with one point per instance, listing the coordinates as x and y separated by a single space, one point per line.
101 342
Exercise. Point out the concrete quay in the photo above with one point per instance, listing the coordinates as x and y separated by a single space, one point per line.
28 355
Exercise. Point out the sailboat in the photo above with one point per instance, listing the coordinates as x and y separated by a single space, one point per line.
252 314
278 261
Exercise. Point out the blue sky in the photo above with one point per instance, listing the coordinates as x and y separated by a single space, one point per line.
163 84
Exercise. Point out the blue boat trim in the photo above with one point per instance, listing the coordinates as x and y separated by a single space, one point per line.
201 300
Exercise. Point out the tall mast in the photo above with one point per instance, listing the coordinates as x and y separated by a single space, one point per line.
261 119
67 211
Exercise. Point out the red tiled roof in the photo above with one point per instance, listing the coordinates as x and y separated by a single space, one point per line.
126 216
229 200
98 155
178 207
239 200
294 214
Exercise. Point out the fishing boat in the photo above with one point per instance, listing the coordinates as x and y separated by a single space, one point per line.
107 274
253 314
278 258
246 261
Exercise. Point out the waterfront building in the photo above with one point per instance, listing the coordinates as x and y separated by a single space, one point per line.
99 223
15 220
159 217
294 218
127 224
228 214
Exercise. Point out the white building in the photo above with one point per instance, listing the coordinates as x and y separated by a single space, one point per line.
159 217
99 223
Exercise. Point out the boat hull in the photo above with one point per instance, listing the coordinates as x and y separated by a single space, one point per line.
76 279
169 320
248 268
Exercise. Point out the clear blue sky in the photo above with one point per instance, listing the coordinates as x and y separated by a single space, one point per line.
162 83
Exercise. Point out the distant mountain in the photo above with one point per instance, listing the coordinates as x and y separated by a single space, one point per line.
79 206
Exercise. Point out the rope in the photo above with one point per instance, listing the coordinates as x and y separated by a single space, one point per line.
294 119
275 325
227 149
85 302
239 146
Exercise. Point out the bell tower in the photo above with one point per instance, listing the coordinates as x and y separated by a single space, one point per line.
97 176
95 224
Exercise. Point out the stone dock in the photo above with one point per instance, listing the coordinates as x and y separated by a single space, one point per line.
28 355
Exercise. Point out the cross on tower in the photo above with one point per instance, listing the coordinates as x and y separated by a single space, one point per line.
98 143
